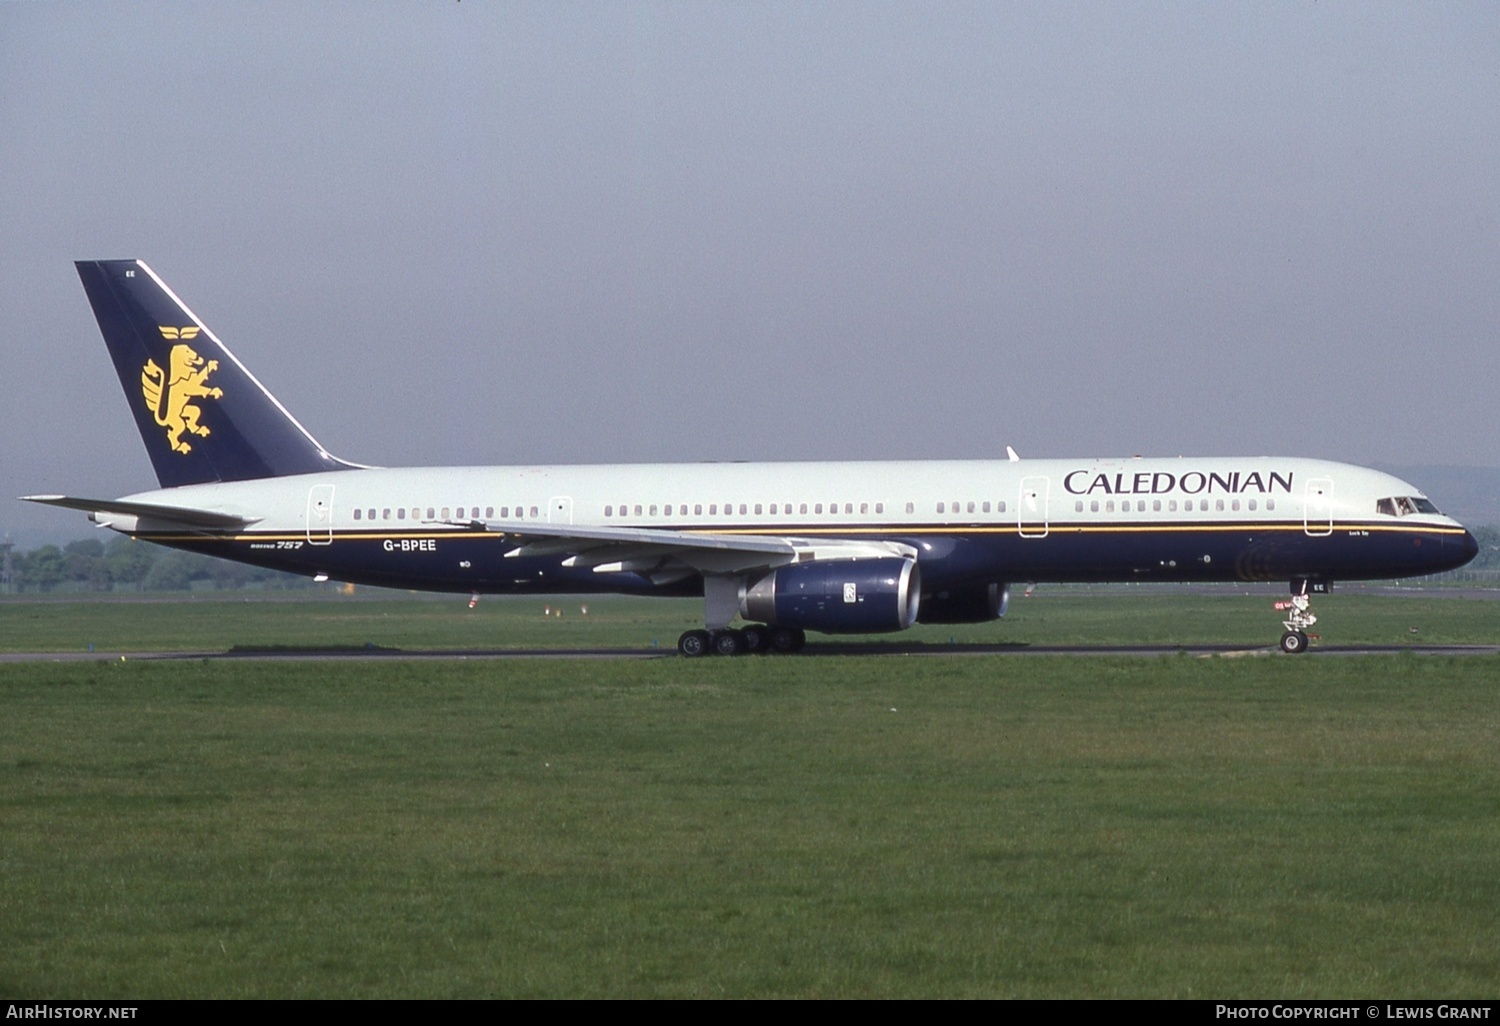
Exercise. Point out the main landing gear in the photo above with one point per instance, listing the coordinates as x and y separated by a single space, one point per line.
1299 616
753 638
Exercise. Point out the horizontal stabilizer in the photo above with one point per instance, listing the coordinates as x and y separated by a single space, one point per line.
194 518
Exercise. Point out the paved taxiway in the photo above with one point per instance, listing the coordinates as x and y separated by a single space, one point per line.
813 650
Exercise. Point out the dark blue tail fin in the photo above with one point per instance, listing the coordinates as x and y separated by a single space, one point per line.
202 415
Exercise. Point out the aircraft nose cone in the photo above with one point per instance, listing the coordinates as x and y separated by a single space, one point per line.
1471 546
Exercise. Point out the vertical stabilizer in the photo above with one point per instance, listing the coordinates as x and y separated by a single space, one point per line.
202 415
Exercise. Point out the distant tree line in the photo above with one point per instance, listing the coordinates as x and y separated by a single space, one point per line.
123 564
128 565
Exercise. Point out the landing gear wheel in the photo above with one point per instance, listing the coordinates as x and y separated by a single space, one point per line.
693 644
787 639
728 643
1294 642
757 638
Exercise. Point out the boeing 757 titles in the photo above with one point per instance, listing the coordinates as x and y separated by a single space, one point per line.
836 548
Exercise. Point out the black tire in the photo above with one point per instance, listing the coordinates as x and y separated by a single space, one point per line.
693 644
1294 642
786 639
757 638
728 643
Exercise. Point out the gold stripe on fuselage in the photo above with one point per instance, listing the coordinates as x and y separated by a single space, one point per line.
956 530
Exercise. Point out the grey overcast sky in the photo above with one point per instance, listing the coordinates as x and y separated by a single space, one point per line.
597 232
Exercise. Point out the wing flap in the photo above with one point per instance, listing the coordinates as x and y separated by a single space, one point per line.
675 553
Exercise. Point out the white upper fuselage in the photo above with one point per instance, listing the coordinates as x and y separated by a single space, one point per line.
1028 497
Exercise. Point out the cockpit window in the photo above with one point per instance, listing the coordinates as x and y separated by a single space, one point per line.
1404 505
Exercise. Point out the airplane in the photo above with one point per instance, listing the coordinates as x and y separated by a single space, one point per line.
830 547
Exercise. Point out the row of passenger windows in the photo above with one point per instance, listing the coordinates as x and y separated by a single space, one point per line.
759 508
436 513
1156 505
973 507
802 509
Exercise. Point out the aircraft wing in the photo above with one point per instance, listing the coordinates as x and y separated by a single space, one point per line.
665 554
168 516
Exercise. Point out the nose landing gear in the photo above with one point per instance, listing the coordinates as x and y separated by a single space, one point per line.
1299 615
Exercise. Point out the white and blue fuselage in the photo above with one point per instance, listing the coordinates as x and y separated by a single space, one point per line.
830 547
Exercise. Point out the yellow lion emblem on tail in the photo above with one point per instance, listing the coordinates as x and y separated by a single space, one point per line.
167 394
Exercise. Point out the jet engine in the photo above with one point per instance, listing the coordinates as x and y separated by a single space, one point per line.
843 596
975 603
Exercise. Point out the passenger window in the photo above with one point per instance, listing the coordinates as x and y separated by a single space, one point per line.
666 510
1234 504
1078 506
1203 505
370 514
1109 507
534 513
987 505
818 508
1156 505
802 510
431 513
1093 505
1172 505
879 507
697 509
1219 505
940 507
742 509
971 506
848 507
653 511
356 514
864 507
911 507
1270 504
385 514
1252 505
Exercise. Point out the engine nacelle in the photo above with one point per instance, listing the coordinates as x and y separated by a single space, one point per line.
976 603
838 596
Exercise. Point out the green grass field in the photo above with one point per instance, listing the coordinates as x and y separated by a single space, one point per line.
896 826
